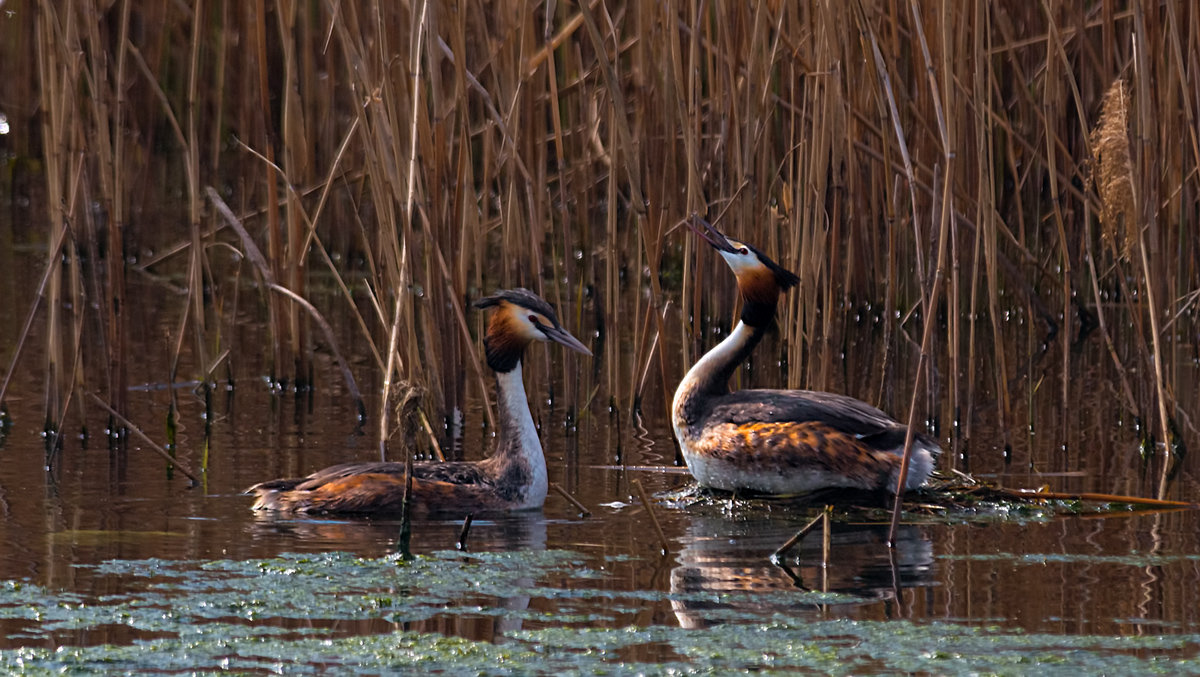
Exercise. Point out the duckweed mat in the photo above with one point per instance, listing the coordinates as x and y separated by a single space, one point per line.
311 613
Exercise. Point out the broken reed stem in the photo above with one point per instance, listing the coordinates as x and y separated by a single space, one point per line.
1026 494
433 440
154 446
256 258
333 346
664 545
461 543
405 540
930 320
790 543
53 262
583 511
826 545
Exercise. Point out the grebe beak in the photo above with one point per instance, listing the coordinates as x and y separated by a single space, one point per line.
710 234
561 336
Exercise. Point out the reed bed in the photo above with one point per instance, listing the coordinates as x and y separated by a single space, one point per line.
987 184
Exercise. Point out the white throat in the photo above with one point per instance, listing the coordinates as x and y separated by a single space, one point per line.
713 360
515 414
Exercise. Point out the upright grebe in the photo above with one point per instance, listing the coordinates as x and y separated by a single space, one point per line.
780 441
512 478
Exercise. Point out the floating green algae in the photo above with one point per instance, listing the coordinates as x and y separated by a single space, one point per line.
288 614
850 647
830 647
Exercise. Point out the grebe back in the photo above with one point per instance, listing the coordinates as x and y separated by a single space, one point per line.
780 441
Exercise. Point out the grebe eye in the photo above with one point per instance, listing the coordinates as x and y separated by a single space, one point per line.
744 251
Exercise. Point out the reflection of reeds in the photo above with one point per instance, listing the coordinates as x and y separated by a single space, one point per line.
450 152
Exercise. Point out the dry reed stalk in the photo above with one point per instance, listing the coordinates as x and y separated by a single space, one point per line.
461 543
297 168
1121 220
558 489
108 104
408 208
197 261
58 41
796 538
649 225
827 546
982 90
377 119
953 42
154 446
663 544
1054 81
1153 278
944 216
264 269
474 150
266 141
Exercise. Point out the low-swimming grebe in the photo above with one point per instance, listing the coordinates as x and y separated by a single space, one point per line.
512 478
780 441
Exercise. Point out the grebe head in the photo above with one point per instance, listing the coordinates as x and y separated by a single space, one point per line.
520 318
759 279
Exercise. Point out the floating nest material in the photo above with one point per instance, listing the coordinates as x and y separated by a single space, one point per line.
954 496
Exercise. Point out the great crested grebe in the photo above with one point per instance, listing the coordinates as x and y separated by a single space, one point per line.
512 478
780 441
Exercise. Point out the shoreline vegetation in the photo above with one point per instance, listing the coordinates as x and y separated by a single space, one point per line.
990 183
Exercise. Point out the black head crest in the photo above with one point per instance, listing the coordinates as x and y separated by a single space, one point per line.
519 296
785 278
522 317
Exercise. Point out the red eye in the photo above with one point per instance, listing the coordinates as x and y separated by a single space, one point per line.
533 319
743 251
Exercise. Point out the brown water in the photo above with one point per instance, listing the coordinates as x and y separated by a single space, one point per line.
1116 573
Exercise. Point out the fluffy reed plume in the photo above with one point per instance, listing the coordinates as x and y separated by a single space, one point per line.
1112 172
1113 177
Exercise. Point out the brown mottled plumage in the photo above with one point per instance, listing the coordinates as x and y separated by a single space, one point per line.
780 441
512 478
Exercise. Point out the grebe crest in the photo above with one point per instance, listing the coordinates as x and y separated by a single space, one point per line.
780 441
513 477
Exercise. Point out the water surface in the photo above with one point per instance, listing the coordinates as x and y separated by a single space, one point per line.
108 559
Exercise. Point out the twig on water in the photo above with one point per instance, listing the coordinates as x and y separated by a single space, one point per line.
583 511
662 538
777 556
145 438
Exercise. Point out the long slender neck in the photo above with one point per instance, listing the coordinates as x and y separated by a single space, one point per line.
710 375
712 372
518 457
